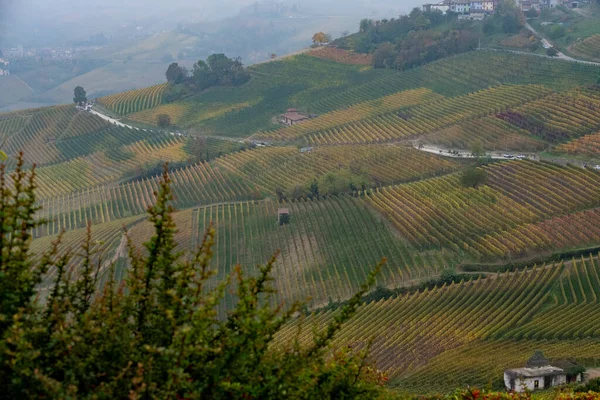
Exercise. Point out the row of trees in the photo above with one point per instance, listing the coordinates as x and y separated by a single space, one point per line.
421 47
217 70
331 183
408 41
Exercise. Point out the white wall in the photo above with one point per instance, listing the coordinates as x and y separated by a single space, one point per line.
529 383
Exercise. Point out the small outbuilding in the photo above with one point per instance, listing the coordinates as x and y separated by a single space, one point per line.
283 216
293 117
538 374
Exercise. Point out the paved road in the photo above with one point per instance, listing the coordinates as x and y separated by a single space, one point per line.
457 153
124 125
547 44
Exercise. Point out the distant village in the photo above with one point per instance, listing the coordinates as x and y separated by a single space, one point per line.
478 9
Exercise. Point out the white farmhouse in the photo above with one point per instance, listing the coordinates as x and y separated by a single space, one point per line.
538 374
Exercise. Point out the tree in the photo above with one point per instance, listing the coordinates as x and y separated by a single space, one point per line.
477 149
80 96
219 70
489 27
552 52
531 13
473 177
163 120
384 56
320 38
510 16
422 22
176 74
345 33
365 25
314 188
557 31
158 334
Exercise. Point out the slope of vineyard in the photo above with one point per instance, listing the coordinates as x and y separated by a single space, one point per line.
326 250
465 73
440 212
355 113
192 186
108 164
429 117
468 333
490 132
135 100
284 168
36 131
321 86
588 145
559 117
588 48
106 239
342 56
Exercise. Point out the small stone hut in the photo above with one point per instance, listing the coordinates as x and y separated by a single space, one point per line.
538 374
283 216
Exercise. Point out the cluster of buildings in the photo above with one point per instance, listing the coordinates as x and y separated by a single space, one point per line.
539 5
478 9
57 53
467 9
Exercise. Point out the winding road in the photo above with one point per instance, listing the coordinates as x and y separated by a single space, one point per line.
548 44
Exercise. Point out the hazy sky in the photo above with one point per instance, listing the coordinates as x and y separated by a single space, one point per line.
54 21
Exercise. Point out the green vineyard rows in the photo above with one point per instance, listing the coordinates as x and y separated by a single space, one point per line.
468 333
285 167
135 100
491 133
441 212
431 116
192 186
326 250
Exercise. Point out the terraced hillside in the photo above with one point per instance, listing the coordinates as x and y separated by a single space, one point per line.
495 220
135 100
320 86
468 333
588 48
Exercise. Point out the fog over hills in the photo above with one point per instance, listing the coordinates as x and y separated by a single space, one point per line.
112 46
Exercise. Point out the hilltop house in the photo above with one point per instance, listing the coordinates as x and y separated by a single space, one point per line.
488 5
442 6
293 117
460 6
537 374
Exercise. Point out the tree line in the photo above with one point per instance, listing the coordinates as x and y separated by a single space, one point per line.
410 41
216 70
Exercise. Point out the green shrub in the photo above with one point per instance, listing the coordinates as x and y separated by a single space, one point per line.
158 334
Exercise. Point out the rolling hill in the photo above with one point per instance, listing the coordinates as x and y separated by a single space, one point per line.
358 188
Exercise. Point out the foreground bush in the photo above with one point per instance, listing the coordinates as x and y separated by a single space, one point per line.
157 335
